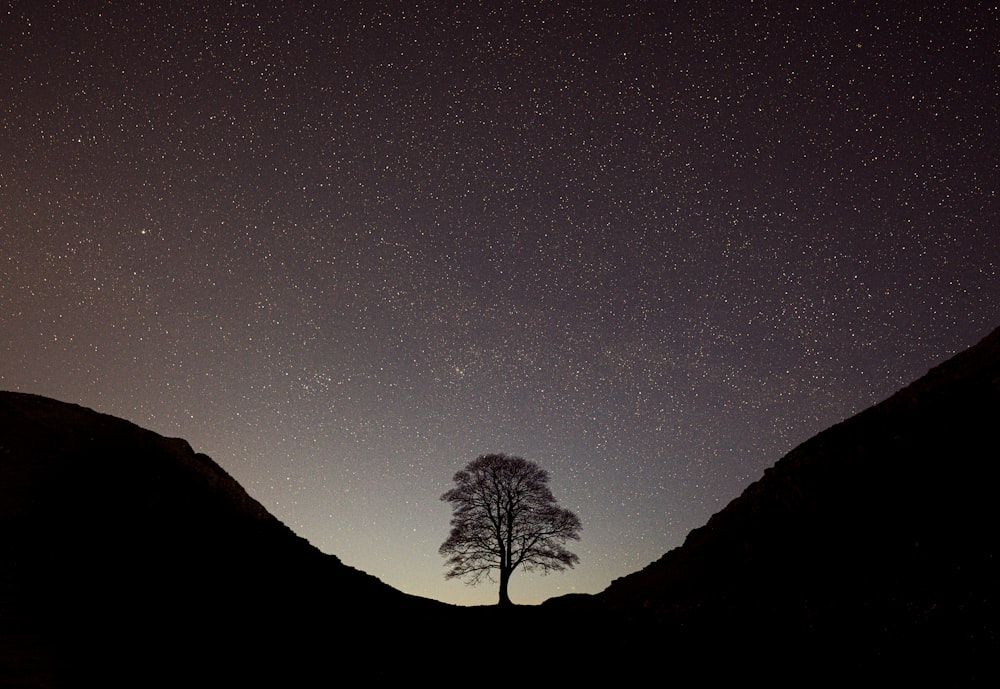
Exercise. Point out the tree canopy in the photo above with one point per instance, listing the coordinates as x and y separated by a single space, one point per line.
505 517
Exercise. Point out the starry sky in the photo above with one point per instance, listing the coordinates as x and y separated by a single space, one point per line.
344 248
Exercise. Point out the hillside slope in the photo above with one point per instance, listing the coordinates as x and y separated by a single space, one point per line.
868 552
873 546
125 554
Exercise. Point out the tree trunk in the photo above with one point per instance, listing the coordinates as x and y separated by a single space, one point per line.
504 578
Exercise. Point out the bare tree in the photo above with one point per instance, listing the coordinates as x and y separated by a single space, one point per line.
505 517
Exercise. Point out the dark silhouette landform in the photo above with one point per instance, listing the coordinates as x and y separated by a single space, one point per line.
868 552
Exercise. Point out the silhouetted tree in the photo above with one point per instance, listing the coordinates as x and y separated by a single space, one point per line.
505 517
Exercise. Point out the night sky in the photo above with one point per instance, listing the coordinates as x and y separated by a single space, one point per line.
345 248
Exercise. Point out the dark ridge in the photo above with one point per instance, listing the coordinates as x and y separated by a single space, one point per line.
871 547
125 554
867 554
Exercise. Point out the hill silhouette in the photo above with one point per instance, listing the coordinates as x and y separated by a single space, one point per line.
869 551
128 559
